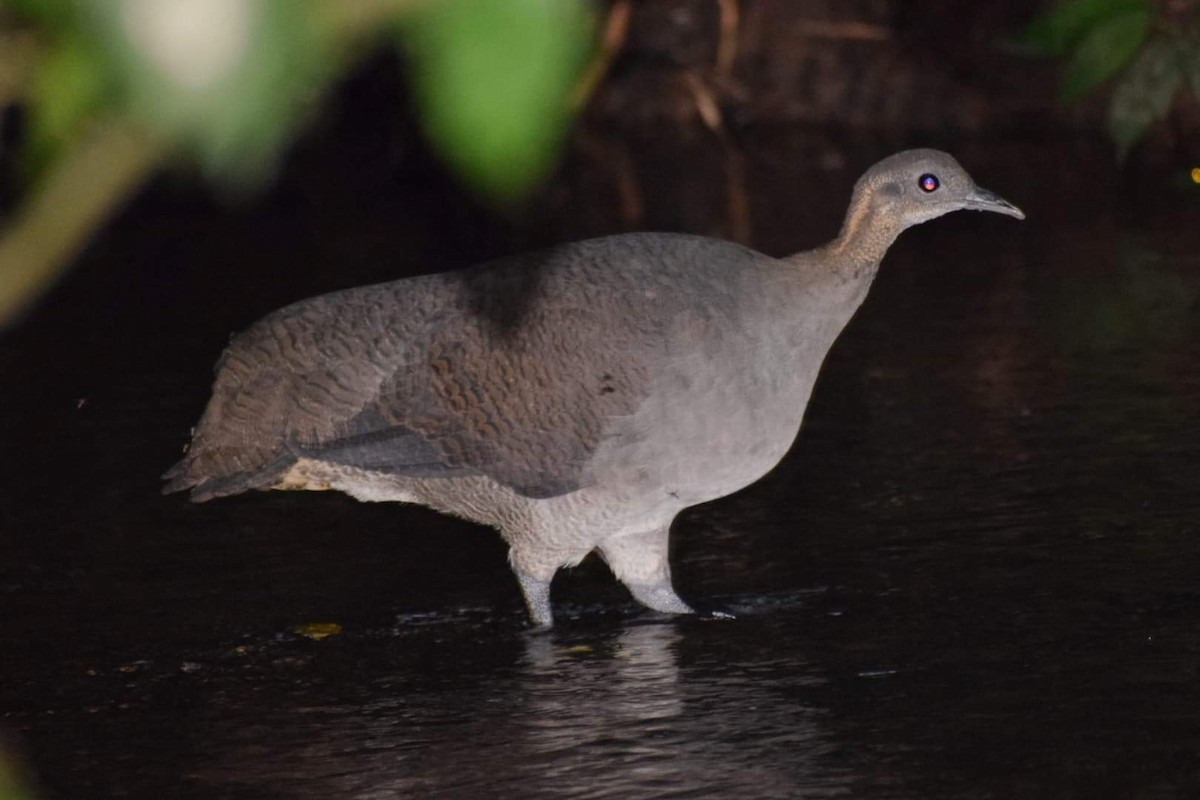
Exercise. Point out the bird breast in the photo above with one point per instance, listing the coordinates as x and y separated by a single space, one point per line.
719 418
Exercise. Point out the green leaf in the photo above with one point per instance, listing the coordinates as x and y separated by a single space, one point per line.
70 84
227 80
1102 52
1144 93
54 14
1057 31
493 79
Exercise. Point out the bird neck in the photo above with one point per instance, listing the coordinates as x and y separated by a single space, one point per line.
867 233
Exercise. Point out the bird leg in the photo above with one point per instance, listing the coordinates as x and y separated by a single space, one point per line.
537 599
659 597
639 560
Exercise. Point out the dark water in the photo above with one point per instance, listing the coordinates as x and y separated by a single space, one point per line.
975 576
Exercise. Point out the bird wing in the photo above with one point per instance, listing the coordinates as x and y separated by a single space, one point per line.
520 375
512 370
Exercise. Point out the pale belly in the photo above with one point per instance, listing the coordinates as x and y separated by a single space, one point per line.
572 523
705 439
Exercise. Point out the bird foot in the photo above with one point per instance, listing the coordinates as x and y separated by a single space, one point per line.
659 597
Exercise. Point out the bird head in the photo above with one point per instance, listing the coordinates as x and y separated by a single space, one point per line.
915 186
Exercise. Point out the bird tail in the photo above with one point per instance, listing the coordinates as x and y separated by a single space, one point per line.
187 475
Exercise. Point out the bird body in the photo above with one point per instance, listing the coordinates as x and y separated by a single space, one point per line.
576 399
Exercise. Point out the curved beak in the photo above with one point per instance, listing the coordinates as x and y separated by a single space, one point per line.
983 200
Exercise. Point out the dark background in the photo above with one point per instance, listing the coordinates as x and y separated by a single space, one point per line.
973 577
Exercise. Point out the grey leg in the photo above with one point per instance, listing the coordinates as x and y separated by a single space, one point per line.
537 599
660 597
639 560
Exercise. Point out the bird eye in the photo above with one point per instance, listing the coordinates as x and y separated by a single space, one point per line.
928 182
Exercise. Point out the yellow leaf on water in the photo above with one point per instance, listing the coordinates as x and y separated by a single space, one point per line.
318 630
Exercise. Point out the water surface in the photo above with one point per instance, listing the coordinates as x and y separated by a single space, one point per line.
974 576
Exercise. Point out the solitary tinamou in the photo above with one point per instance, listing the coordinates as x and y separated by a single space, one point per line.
576 399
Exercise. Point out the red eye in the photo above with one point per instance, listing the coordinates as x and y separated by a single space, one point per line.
928 182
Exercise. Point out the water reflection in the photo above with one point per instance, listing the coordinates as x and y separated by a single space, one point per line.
647 710
635 682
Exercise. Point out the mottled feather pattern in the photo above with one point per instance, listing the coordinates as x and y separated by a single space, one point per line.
577 398
519 388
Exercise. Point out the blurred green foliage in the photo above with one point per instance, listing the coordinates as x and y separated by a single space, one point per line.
65 91
1143 301
1152 57
114 88
14 784
229 82
1145 93
236 99
494 107
1064 28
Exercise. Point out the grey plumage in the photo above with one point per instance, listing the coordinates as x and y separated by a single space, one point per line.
576 399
